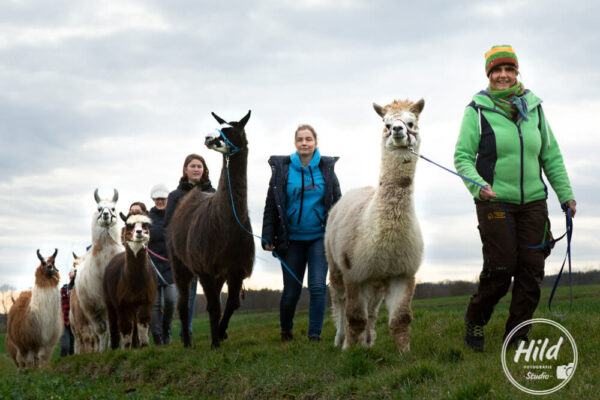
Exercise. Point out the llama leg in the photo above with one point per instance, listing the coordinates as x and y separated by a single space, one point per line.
356 314
144 318
399 294
374 296
336 290
183 278
234 285
213 305
113 328
126 327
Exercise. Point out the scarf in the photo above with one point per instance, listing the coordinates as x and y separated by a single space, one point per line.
510 100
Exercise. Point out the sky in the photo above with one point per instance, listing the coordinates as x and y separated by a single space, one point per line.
115 93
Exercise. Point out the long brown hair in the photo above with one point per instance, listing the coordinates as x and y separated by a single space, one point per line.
189 159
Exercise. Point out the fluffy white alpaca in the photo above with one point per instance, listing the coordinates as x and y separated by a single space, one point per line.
373 241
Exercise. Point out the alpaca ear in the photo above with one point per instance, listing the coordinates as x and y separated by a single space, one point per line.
219 119
123 217
244 121
418 106
378 109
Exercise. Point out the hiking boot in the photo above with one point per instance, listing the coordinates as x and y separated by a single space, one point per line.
474 336
314 339
157 339
167 339
286 336
515 341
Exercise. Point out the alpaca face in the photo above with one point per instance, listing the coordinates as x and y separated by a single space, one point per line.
400 119
233 131
137 232
105 215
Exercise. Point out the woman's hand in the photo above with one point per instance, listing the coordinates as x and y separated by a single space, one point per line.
268 247
572 204
487 193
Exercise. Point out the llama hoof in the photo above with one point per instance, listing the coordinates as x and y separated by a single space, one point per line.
223 336
215 346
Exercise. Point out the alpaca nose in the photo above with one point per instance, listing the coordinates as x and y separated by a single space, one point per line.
138 232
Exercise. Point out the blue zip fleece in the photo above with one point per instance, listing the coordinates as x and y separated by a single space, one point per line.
305 189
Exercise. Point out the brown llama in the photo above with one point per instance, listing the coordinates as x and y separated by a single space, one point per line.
35 319
373 241
130 286
205 239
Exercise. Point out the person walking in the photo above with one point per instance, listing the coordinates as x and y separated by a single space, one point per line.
195 175
302 190
505 142
166 294
67 340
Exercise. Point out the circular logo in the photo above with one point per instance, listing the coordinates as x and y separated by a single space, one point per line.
543 363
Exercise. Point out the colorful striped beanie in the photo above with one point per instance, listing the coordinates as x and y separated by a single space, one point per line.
503 54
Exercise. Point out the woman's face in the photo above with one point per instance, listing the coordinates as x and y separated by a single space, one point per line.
160 203
305 142
194 171
503 77
135 210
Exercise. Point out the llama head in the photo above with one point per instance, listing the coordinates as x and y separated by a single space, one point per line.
46 273
400 119
230 136
105 215
77 261
137 231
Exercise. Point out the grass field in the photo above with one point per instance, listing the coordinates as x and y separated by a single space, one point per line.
254 364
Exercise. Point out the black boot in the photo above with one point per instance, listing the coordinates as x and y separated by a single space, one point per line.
157 339
474 337
286 336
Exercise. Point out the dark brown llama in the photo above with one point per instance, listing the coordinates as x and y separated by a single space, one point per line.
205 239
35 319
129 287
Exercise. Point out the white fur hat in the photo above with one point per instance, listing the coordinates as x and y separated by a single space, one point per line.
159 191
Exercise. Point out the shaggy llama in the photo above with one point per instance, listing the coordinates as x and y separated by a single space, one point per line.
130 286
88 310
35 320
373 241
204 238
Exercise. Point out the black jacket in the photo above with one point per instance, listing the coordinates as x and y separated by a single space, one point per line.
176 195
275 224
158 245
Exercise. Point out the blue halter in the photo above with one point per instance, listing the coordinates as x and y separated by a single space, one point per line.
229 144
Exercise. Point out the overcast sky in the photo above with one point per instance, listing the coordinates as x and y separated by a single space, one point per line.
114 94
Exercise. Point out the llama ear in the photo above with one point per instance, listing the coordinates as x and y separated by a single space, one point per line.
123 217
40 257
96 197
55 253
219 119
115 196
378 109
418 106
74 255
244 120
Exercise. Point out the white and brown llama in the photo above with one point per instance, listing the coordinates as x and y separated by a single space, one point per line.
88 311
373 241
35 319
205 239
130 286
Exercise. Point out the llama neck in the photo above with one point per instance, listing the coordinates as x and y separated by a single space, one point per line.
109 235
396 181
44 297
136 266
238 164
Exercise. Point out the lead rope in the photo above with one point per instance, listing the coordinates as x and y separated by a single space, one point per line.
568 234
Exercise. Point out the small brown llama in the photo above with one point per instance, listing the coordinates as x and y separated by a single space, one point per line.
35 319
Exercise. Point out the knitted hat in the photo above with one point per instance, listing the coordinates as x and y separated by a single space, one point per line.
503 54
159 191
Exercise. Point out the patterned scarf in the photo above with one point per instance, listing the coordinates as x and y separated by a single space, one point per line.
510 100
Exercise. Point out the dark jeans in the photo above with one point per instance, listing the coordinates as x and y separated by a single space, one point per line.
163 310
296 257
504 259
67 342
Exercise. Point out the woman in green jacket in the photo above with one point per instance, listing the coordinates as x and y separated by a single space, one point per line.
505 143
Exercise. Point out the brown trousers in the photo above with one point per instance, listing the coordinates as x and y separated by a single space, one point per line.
504 258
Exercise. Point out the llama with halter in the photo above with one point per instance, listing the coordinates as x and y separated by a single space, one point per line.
373 241
35 320
88 310
205 239
130 286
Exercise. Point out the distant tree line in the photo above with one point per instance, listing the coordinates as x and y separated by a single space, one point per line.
268 299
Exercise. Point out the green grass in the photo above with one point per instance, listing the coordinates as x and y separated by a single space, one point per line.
254 364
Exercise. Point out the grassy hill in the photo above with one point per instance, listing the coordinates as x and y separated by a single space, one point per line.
254 364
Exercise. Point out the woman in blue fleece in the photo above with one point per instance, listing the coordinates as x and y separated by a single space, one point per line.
302 190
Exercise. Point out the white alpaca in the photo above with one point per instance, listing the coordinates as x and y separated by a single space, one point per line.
88 311
373 241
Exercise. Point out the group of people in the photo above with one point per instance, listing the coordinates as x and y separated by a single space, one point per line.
504 144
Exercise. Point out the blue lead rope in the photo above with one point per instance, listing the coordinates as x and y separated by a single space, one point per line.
244 228
568 233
